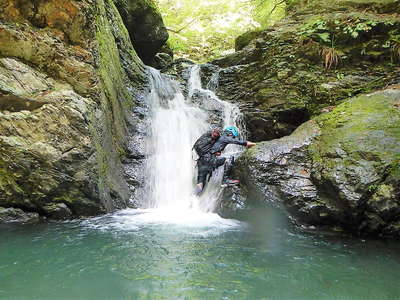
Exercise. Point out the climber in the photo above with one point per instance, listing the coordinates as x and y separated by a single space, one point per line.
210 159
202 147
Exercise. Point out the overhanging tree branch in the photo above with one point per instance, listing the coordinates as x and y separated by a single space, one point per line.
183 27
276 6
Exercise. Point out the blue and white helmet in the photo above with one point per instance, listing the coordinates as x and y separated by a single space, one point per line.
232 130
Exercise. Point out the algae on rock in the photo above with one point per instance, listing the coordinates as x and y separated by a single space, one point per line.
309 62
69 81
339 170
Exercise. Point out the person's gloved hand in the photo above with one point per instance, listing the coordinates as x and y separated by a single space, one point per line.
250 144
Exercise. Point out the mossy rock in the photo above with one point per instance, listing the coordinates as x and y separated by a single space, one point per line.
307 64
339 169
245 39
69 81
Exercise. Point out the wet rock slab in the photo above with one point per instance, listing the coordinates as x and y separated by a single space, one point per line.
18 216
340 169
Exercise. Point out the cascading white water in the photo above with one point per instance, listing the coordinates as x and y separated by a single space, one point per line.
231 116
176 124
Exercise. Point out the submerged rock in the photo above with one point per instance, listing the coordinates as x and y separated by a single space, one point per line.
58 211
339 170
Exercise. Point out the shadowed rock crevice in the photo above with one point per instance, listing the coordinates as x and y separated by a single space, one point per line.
145 26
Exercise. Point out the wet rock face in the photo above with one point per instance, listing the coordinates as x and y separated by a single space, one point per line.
232 203
338 170
44 141
69 82
16 215
264 120
58 211
146 29
280 76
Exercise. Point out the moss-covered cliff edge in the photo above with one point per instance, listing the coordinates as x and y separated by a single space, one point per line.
69 81
319 55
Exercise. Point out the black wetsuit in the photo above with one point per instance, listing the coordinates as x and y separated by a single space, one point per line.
209 161
203 146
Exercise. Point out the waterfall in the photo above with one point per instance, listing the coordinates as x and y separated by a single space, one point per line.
176 123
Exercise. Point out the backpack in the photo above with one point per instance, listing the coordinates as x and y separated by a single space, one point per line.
203 144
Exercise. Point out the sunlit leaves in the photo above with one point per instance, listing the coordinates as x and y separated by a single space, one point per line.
203 30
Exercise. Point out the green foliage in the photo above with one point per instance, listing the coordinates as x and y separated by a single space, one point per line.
372 188
207 29
356 28
317 29
267 12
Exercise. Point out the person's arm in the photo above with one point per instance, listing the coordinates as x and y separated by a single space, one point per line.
231 140
223 141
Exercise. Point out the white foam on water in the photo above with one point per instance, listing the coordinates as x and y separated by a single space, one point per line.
185 217
187 221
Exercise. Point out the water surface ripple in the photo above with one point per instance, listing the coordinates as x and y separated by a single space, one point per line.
152 254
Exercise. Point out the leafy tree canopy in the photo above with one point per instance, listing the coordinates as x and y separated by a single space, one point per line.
205 29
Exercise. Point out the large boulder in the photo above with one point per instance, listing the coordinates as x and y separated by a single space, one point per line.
58 211
69 82
320 55
339 170
146 29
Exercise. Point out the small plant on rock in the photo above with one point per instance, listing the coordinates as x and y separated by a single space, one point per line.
396 51
330 57
316 29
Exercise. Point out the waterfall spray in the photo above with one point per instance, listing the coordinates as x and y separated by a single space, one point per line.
176 123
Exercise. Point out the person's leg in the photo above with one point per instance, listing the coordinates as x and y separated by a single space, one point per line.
198 189
227 172
218 161
201 178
